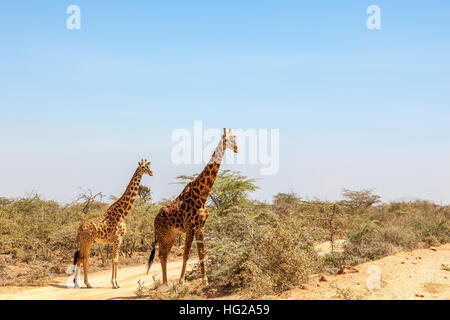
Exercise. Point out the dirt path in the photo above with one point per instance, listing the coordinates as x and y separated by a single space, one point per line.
418 274
128 277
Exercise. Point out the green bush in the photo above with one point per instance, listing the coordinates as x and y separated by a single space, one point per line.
254 249
278 261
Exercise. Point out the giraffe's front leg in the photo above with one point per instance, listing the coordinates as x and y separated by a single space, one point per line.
187 250
115 262
202 255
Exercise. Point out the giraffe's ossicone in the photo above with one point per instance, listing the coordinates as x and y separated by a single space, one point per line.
109 228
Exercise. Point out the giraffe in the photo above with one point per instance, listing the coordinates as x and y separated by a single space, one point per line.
108 228
188 213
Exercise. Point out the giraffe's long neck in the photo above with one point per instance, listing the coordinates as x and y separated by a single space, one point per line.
123 205
205 180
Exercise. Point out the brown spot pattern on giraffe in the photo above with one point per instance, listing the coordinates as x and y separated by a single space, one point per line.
110 227
187 213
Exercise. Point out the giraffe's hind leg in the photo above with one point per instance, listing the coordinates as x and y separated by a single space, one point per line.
86 248
165 244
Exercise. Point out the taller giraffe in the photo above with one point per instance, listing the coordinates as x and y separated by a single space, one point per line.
108 228
187 213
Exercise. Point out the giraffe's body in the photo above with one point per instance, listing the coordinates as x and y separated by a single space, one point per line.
109 228
187 213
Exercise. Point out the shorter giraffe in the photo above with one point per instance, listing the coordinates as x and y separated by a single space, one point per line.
108 228
187 214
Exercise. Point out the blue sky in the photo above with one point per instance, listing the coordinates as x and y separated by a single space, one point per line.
355 108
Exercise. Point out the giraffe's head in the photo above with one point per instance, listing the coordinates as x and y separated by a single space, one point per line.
230 140
144 167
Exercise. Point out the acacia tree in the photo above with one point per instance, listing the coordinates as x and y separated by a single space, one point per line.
286 203
145 193
230 189
362 199
332 222
88 199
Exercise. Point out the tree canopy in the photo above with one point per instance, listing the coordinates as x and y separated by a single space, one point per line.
230 188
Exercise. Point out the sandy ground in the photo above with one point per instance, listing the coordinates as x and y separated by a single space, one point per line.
325 247
418 274
128 277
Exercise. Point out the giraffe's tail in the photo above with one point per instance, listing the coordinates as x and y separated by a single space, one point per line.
152 256
72 267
